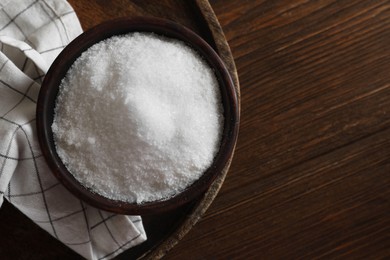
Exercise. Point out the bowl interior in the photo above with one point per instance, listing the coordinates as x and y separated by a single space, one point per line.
49 91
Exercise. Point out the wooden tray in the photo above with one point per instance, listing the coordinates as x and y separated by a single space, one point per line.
163 230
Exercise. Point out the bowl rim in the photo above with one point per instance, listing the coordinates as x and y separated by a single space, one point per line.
58 69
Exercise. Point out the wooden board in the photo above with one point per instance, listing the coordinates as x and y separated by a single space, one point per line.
163 230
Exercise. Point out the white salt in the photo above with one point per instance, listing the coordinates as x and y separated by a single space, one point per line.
138 117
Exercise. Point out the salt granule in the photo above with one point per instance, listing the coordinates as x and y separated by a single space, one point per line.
138 117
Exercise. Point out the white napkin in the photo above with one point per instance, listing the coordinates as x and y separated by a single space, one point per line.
32 33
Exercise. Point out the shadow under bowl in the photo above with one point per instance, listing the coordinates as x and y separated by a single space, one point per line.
49 90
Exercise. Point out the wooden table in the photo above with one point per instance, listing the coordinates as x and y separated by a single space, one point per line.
311 173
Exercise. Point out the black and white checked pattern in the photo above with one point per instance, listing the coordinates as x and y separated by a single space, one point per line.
32 33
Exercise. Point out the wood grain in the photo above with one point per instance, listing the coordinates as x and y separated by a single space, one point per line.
311 174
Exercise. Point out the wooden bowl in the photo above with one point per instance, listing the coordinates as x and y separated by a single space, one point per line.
49 90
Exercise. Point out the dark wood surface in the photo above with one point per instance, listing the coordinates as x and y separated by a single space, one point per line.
311 173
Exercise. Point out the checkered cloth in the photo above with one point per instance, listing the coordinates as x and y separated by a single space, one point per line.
32 33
